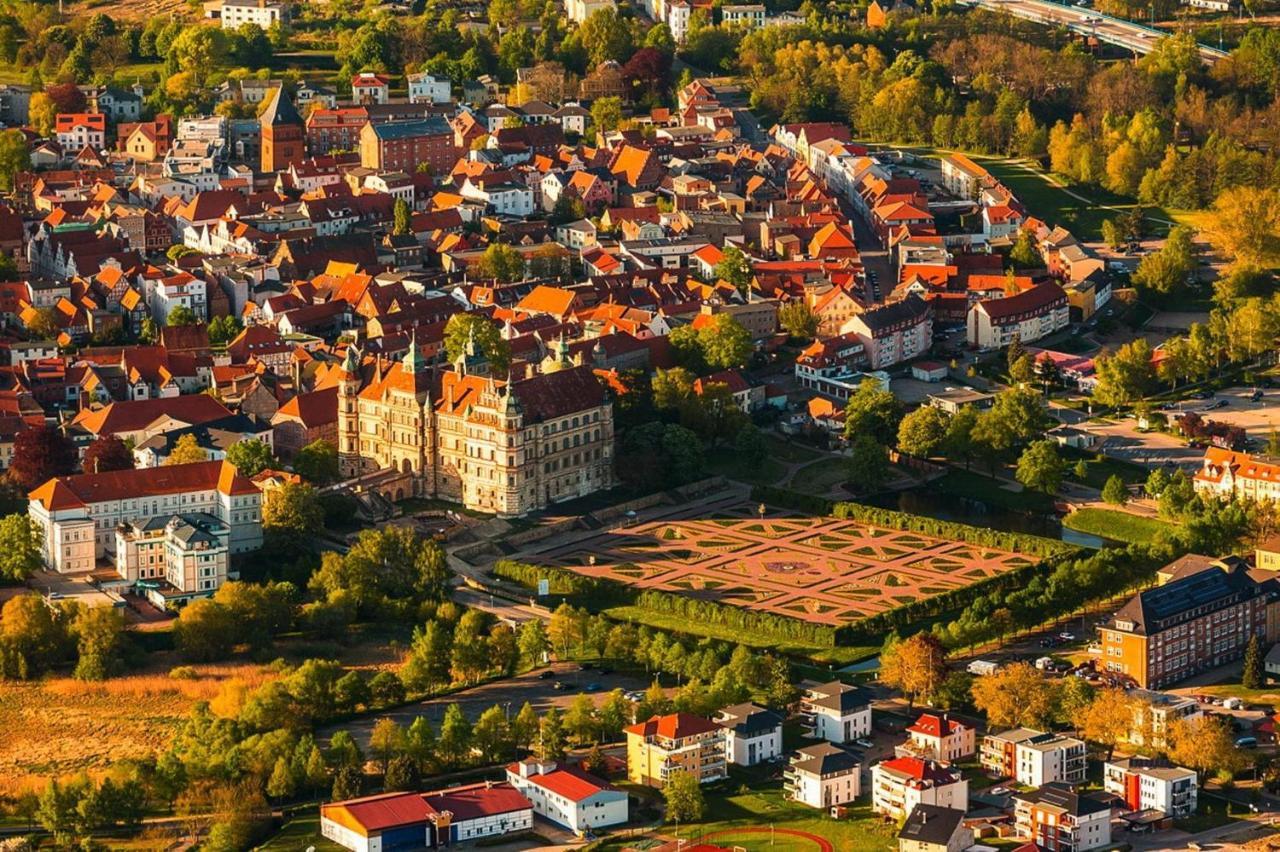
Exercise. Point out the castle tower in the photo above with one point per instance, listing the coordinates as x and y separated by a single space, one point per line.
348 413
283 133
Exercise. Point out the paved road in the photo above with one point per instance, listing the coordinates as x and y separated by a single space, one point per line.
1136 37
510 692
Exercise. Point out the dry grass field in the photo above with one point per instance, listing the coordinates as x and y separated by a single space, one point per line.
135 10
60 726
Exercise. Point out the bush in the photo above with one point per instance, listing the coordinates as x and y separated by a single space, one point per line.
183 673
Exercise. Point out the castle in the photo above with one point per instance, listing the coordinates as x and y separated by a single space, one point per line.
507 447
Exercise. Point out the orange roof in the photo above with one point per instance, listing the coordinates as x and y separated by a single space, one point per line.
130 416
673 726
71 492
545 299
314 409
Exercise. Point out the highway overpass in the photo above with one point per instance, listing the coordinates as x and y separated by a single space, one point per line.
1127 34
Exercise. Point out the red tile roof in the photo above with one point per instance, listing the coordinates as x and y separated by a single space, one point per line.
69 492
477 800
378 813
933 725
193 409
673 726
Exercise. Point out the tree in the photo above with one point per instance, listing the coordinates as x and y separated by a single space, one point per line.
317 462
281 784
533 642
31 638
1112 234
606 113
606 36
40 454
958 445
15 157
348 783
1243 224
1125 375
292 513
1167 270
386 741
1023 255
42 113
735 267
492 735
923 432
206 631
107 453
199 50
917 666
868 464
798 319
872 411
1205 744
43 324
1253 673
469 333
683 795
182 316
524 728
470 659
100 642
402 214
20 548
1107 719
402 775
751 445
251 457
1016 695
186 450
551 744
427 666
1040 468
455 736
1114 491
724 342
500 262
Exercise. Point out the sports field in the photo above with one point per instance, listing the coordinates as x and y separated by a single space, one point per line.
816 569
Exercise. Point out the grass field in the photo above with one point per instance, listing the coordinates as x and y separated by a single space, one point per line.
842 656
1116 525
764 806
972 485
1102 468
92 726
819 477
302 832
727 462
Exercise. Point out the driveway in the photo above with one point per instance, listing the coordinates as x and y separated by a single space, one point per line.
1122 440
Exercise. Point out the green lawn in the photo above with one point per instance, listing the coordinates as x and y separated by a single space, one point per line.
977 486
841 656
300 833
1116 525
764 806
820 476
727 462
1102 468
1211 812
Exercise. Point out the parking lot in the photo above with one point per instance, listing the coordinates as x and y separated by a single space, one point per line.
1256 417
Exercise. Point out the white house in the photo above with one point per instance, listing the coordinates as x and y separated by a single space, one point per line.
753 733
370 88
1056 817
750 16
188 552
900 784
823 775
577 235
264 13
1147 784
426 820
568 796
508 199
78 515
427 88
933 829
835 712
1034 757
939 737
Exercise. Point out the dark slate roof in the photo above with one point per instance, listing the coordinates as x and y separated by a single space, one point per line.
839 696
906 311
1188 597
826 759
433 126
931 824
1058 795
280 110
749 719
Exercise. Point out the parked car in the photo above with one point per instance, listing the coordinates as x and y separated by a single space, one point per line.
1247 742
546 674
1256 395
863 743
560 686
591 687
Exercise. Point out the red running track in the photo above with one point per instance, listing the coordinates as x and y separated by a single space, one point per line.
822 843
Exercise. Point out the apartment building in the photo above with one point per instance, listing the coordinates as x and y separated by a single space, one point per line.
823 775
1034 757
932 829
835 712
1057 819
677 742
963 177
1190 624
370 88
567 795
76 131
753 734
1154 713
750 15
78 515
174 560
898 785
893 333
427 88
404 145
937 736
264 13
1231 475
1149 784
1028 316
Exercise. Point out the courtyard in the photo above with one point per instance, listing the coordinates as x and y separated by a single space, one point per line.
817 569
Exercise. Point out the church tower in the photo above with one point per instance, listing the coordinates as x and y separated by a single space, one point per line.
348 413
283 133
